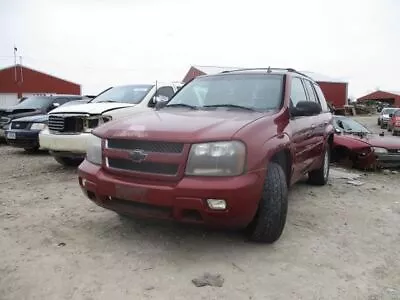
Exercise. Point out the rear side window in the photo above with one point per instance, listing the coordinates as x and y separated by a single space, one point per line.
321 98
311 92
166 91
297 93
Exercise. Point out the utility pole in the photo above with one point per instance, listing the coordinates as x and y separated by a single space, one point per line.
15 63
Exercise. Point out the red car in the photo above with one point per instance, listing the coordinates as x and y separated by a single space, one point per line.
394 122
360 147
222 152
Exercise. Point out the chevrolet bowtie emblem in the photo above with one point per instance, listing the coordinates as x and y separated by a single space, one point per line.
138 155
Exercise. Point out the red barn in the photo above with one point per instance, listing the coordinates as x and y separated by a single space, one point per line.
392 98
335 91
20 81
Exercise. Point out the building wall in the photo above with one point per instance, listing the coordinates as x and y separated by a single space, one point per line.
383 96
25 80
8 99
192 73
335 93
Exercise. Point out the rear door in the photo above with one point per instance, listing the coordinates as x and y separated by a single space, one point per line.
302 132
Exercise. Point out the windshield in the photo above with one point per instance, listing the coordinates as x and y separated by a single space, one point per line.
126 94
349 125
34 102
387 111
254 91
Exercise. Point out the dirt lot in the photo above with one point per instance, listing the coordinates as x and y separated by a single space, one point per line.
341 242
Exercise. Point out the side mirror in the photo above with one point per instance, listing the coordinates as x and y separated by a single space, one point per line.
55 104
160 101
306 108
390 115
338 131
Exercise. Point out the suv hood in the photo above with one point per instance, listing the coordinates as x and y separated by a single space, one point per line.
91 108
180 126
18 113
375 140
37 119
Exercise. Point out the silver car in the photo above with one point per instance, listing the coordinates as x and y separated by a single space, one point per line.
384 116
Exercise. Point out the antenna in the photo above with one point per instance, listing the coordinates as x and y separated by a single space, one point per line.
20 69
15 63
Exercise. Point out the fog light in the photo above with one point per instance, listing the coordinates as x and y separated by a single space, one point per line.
216 204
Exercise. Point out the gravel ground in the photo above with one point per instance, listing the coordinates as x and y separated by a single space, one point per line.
341 242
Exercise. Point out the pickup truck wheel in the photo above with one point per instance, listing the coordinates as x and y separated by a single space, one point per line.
31 150
267 226
379 122
68 161
321 175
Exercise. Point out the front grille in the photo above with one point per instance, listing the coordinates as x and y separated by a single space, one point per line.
147 146
397 151
56 123
67 123
19 125
143 167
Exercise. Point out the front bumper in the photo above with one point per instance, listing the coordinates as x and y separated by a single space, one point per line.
65 143
184 201
23 138
389 160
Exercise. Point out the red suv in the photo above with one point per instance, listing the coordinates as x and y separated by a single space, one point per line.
394 122
222 152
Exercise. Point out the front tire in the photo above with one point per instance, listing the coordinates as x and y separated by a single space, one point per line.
68 161
269 222
321 175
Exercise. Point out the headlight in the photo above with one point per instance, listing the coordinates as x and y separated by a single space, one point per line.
216 159
380 150
38 126
92 122
93 151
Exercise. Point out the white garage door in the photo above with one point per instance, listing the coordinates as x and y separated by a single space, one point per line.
7 100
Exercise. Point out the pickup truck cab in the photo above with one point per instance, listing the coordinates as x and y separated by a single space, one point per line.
222 152
69 127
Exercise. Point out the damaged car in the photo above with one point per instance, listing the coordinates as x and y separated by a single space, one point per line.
357 146
385 115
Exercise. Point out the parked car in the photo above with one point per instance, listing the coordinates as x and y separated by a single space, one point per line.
32 106
361 148
222 157
70 127
384 116
394 122
24 132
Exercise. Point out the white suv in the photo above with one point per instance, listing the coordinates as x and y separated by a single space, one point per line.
69 127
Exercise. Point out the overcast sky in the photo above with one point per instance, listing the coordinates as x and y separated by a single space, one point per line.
99 43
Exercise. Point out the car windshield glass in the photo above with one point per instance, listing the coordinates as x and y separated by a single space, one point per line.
254 92
387 111
34 102
125 94
349 125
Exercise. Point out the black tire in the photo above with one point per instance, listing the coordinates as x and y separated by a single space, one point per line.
321 175
68 161
394 132
383 126
389 129
269 222
31 150
379 122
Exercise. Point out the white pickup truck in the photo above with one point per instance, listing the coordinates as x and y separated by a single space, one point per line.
69 127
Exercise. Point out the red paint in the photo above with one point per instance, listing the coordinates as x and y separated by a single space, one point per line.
392 98
33 81
335 93
171 196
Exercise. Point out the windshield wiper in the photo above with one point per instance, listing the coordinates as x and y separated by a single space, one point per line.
107 101
230 106
181 105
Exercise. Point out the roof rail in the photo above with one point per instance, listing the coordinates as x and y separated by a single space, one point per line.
269 70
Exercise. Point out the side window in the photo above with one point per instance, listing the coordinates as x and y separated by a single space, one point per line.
61 101
166 91
298 93
321 98
311 92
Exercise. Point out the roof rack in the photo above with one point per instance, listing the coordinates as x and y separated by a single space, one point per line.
269 70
